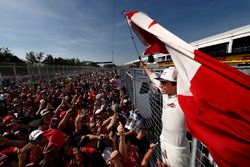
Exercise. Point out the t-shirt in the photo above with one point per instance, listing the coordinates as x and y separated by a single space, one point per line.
55 137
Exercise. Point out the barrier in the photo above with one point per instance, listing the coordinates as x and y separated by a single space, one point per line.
10 73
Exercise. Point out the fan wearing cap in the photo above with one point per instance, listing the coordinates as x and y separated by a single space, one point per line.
34 149
174 144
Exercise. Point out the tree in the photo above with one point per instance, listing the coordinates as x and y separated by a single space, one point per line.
77 62
7 56
49 59
31 58
39 57
59 61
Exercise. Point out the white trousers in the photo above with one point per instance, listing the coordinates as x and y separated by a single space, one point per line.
175 156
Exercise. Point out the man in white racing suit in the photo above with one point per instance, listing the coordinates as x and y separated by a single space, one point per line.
174 144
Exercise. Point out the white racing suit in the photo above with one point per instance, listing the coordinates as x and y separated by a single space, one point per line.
174 144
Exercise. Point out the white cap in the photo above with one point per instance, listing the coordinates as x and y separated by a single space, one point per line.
42 101
44 112
168 74
35 134
125 100
99 110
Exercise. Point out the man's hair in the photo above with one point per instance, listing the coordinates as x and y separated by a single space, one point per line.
173 83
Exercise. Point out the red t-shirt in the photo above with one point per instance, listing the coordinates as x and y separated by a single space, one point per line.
55 137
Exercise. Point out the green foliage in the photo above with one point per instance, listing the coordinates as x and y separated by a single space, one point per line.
38 58
31 58
49 59
8 57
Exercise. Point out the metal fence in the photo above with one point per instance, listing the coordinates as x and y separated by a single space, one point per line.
145 97
33 73
149 101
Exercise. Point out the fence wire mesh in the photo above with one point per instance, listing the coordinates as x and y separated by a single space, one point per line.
149 101
33 73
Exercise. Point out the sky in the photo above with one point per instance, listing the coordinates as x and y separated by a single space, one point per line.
95 30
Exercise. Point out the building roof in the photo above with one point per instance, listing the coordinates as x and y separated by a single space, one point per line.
223 37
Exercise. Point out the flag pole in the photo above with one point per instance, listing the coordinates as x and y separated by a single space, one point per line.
132 37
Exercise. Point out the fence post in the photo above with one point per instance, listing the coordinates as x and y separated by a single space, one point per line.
53 67
193 153
30 79
58 70
47 71
39 72
14 69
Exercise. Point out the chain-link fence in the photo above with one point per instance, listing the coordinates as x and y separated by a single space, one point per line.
149 101
10 73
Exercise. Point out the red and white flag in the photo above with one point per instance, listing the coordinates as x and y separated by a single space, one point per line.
214 97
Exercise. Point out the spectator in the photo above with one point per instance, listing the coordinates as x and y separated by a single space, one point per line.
58 120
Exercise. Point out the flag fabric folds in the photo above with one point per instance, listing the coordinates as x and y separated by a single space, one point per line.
214 97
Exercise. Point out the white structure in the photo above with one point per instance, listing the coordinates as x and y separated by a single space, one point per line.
232 41
228 38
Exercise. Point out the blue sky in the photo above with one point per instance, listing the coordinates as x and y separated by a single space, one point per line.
92 29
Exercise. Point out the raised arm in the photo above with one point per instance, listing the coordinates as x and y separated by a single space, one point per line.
122 144
148 155
150 74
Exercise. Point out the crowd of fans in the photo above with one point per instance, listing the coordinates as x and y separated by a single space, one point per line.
85 120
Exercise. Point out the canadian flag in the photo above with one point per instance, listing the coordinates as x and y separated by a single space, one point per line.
214 97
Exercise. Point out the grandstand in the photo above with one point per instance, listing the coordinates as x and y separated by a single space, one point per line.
231 47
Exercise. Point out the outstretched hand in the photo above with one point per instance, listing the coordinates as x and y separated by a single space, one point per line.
114 156
120 129
153 146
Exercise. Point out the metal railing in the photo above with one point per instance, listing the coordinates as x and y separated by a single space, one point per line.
34 73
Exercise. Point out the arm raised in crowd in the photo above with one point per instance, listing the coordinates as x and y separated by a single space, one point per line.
148 155
78 122
112 137
68 104
41 106
63 123
93 112
122 143
22 153
57 111
107 121
112 121
114 159
74 99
